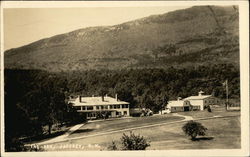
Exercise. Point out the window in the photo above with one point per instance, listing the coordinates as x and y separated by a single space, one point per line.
78 107
91 115
111 106
102 107
118 106
118 113
125 112
97 107
114 106
106 107
89 107
125 106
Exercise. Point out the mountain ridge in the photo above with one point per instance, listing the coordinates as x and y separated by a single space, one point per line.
199 35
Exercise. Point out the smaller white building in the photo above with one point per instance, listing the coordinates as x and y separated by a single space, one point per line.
201 101
192 103
178 105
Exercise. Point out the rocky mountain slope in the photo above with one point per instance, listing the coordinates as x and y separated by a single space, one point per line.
200 35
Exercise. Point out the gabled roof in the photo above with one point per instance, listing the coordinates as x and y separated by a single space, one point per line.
176 103
90 101
199 97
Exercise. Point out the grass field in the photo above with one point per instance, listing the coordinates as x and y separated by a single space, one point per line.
216 111
106 126
223 133
220 135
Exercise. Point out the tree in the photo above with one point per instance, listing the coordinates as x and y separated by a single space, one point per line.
52 102
146 100
134 142
160 101
194 129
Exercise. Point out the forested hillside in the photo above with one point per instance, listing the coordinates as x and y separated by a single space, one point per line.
200 35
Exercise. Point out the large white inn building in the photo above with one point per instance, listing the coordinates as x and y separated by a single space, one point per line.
93 106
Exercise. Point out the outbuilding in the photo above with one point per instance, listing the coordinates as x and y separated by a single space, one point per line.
200 102
178 105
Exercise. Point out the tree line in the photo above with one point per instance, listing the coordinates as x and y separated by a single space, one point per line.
35 99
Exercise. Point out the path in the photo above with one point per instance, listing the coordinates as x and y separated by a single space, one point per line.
62 137
187 118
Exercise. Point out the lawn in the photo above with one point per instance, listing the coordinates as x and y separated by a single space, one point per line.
220 135
106 126
216 111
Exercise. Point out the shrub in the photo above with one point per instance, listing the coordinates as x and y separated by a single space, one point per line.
13 145
209 109
134 142
112 146
194 129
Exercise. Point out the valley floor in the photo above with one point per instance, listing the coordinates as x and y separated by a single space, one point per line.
163 131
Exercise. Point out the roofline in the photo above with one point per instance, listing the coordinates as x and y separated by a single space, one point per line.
197 98
120 103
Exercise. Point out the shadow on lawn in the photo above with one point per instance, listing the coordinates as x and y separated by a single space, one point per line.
82 131
43 136
203 138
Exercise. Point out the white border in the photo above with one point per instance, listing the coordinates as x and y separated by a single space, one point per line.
244 69
78 4
244 74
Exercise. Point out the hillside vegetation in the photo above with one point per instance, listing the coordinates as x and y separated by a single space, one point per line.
201 35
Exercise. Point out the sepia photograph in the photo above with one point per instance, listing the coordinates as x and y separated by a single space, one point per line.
125 77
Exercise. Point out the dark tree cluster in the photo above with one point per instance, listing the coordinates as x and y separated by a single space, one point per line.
148 87
34 102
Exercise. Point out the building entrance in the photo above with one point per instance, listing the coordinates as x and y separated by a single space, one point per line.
186 108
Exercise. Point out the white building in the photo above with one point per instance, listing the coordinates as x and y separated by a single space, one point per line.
191 103
178 105
93 106
202 101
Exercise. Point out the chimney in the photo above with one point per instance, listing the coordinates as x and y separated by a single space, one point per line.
179 98
102 97
106 95
93 95
116 97
80 98
200 93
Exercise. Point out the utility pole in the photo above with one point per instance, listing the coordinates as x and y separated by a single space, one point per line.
227 101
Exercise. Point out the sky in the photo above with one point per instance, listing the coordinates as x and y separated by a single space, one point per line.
26 25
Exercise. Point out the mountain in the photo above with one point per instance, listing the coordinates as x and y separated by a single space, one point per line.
200 35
